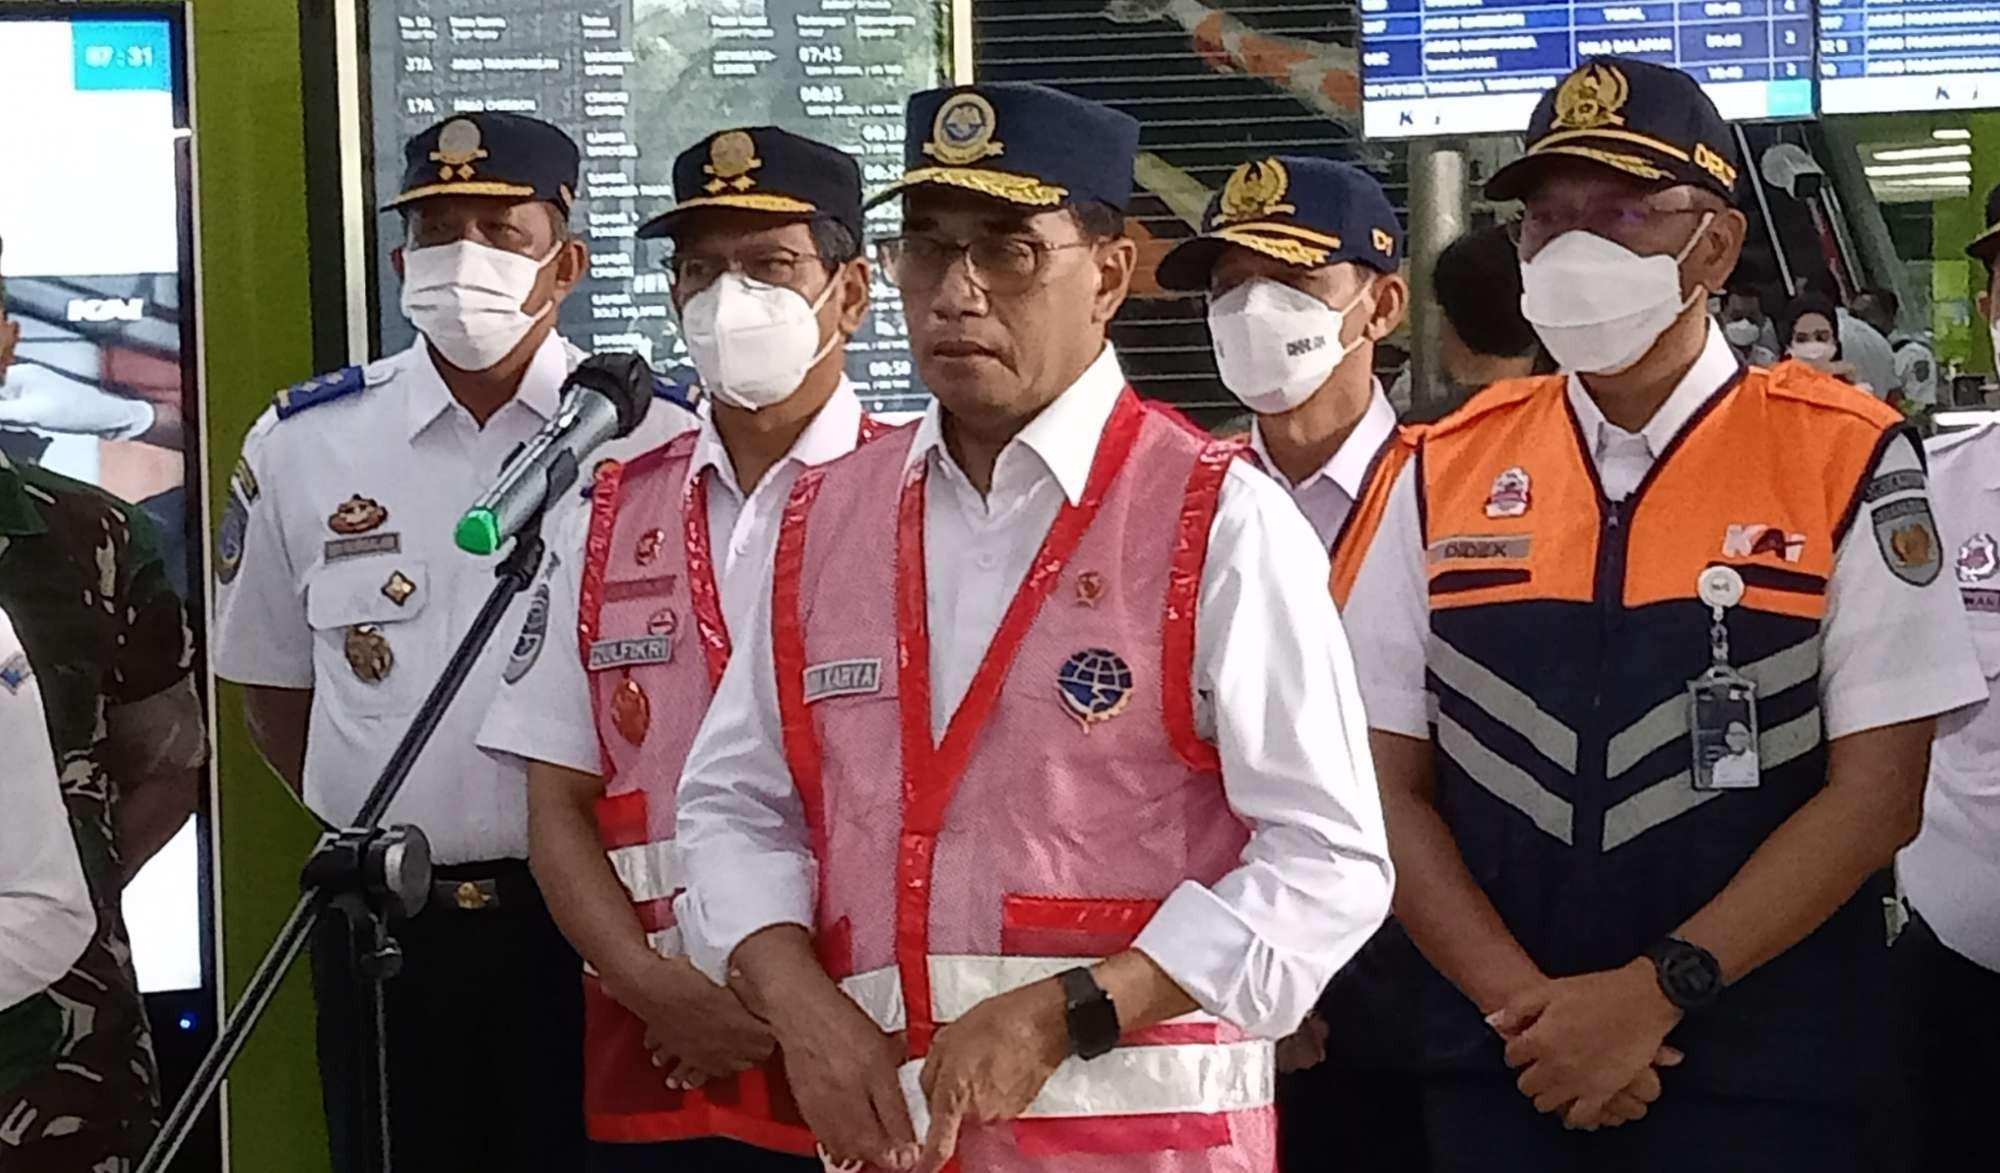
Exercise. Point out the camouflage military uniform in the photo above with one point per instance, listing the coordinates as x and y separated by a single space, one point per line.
82 578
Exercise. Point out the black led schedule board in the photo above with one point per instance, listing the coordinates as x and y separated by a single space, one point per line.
1447 67
1899 55
637 81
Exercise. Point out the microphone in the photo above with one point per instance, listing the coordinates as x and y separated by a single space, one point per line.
604 398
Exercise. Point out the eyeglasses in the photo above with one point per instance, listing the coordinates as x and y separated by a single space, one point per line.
693 272
996 264
1623 222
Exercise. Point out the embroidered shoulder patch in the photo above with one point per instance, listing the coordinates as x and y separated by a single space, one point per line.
1907 535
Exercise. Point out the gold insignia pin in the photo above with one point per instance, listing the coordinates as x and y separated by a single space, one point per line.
399 588
458 149
1255 190
357 515
732 156
963 132
1592 97
470 897
369 654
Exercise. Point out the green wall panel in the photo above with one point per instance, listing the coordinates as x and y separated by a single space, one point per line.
257 332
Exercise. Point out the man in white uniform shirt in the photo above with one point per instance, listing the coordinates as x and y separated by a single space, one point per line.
1150 798
1574 582
45 914
1949 952
341 597
1299 258
769 283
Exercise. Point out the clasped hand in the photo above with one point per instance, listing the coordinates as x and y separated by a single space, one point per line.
1590 1047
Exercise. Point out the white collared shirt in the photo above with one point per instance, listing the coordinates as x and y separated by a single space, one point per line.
1951 873
1274 690
1890 651
46 919
305 610
545 715
1328 495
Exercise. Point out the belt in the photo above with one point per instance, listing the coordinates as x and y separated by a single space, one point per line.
482 887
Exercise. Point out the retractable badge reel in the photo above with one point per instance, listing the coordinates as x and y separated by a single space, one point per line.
1723 724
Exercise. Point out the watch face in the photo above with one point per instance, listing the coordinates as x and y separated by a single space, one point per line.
1690 975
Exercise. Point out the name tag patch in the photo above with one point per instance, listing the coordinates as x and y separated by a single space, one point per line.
623 653
1980 600
1480 547
843 678
341 549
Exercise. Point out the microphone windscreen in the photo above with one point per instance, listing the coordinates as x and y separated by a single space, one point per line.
624 379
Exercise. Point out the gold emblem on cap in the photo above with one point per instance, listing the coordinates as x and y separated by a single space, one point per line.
1255 190
732 156
963 131
1385 243
1714 164
458 149
1592 97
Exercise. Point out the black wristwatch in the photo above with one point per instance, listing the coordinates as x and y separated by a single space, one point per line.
1092 1017
1689 975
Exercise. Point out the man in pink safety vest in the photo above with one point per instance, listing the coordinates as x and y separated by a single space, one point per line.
1035 800
769 282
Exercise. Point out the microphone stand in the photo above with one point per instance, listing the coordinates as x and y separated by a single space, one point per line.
372 875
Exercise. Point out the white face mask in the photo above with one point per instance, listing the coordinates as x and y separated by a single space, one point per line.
466 298
1741 332
754 343
1276 345
1813 352
1597 305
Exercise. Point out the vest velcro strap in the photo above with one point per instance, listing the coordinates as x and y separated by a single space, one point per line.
1188 1072
1505 781
649 871
1670 798
1503 702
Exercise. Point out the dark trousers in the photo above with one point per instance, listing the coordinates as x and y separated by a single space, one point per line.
704 1156
1338 1118
485 1037
1483 1124
1950 1030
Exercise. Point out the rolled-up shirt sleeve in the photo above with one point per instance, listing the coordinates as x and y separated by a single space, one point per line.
741 826
1276 691
46 919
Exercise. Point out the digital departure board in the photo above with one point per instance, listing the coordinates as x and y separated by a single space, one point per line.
637 81
1432 67
1894 55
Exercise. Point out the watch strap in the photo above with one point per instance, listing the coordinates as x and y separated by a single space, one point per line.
1091 1016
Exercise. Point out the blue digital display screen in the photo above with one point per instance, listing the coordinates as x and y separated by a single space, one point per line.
123 55
1437 67
1878 55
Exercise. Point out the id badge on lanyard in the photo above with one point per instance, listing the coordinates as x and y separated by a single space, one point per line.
1722 701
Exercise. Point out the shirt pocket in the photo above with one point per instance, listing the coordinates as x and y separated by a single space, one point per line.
373 641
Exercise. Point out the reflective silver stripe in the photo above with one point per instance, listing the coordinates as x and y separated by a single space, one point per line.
1775 673
649 871
1787 669
1130 1081
959 981
1504 703
1673 797
1171 1079
1667 721
1504 780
